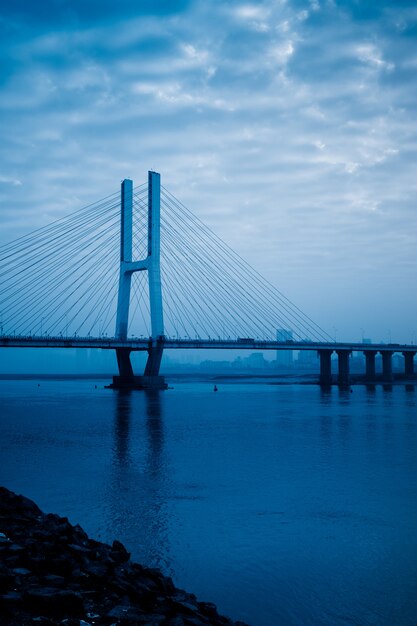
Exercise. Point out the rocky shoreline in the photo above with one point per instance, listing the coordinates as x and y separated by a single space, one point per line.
52 573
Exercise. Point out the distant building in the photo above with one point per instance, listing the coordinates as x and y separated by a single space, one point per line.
307 357
256 361
284 357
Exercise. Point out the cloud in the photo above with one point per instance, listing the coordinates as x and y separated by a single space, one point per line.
7 180
281 53
286 126
369 53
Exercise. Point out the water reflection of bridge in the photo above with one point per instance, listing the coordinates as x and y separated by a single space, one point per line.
139 483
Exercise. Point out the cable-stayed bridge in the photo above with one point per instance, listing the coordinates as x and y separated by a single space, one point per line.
137 271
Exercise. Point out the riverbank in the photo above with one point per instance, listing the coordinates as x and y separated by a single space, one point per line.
52 573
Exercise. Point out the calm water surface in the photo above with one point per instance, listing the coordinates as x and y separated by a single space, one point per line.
281 504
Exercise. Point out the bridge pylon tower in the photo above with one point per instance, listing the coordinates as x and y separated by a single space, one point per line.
152 264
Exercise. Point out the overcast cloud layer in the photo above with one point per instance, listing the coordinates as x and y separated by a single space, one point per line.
288 126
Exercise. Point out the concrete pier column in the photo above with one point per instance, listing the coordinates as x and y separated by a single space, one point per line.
370 371
343 359
409 364
126 377
386 366
151 378
325 367
123 362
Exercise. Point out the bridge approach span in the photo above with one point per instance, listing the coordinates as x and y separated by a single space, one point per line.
139 344
124 347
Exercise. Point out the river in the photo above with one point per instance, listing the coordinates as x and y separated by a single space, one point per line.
283 504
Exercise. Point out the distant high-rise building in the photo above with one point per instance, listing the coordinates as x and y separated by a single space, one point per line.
307 357
256 361
284 357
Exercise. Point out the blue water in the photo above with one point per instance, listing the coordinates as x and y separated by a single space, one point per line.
281 504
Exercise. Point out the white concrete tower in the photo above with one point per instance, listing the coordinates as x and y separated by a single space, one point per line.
152 263
154 254
125 277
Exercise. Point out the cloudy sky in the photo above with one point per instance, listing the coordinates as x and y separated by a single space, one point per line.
288 126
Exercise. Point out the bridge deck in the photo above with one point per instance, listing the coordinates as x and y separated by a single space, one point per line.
138 344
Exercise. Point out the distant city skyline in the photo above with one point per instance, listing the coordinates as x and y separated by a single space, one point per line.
284 357
287 126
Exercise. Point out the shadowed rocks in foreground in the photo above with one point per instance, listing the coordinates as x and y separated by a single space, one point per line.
52 573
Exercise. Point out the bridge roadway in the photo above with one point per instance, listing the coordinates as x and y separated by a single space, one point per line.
134 343
324 350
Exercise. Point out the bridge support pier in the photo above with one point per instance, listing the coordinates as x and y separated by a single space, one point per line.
126 378
150 379
325 357
154 360
370 371
123 362
343 379
387 366
409 364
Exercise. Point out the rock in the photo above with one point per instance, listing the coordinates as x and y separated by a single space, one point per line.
52 574
176 621
54 580
184 607
11 599
6 578
15 548
96 570
54 602
61 566
21 571
119 553
208 608
123 612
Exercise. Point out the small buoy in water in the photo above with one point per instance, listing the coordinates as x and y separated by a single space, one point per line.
95 386
39 385
215 388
